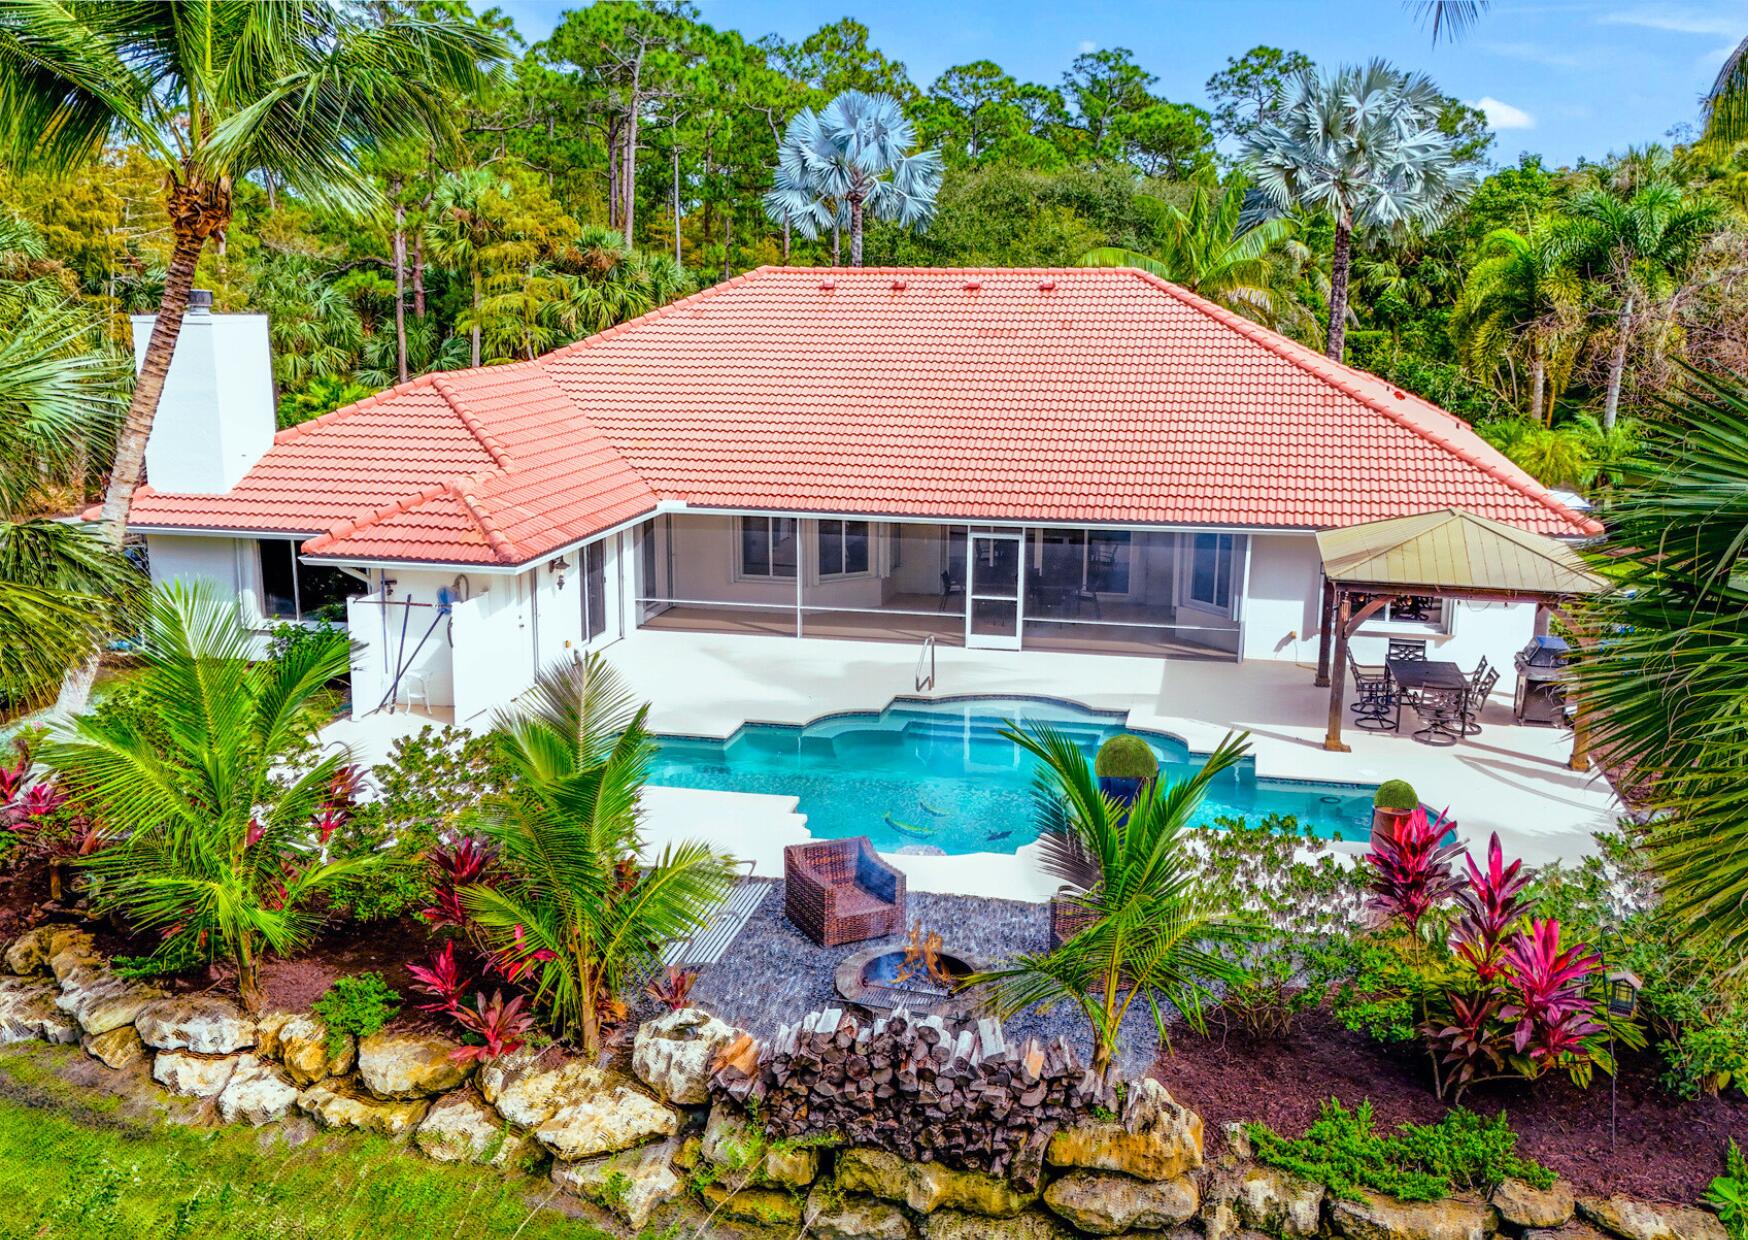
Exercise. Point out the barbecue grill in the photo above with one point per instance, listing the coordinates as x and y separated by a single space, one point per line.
1541 687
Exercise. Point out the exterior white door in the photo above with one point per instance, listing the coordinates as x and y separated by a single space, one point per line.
994 600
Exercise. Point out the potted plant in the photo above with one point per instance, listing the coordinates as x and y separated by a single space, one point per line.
1394 800
1124 764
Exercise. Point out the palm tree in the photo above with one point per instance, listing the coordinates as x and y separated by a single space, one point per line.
216 91
1521 294
575 910
466 228
202 789
1150 936
1665 685
1214 251
1450 18
852 152
1364 145
1639 247
60 587
1727 101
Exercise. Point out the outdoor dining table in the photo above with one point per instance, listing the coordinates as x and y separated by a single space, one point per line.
1416 674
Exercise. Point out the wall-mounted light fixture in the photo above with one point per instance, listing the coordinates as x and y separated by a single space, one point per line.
561 566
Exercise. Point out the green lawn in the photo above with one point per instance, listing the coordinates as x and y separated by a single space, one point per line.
92 1178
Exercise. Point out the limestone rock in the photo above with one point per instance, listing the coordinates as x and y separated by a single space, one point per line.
1571 1231
1639 1220
335 1106
101 1001
529 1087
769 1208
194 1076
29 1013
1528 1206
1377 1217
409 1065
958 1225
855 1216
30 951
730 1140
604 1123
1104 1204
926 1187
119 1048
631 1183
70 950
205 1024
1155 1139
257 1093
267 1028
461 1128
673 1054
1274 1201
303 1049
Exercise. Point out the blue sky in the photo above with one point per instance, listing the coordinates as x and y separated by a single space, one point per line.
1565 78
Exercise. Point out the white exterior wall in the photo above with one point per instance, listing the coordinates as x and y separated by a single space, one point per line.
706 560
387 635
216 416
230 566
1281 621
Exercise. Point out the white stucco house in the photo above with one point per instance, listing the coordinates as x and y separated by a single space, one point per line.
1056 460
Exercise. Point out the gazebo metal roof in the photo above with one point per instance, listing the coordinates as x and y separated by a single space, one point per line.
1454 553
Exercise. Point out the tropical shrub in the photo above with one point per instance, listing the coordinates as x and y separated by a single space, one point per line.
496 1027
1418 1162
1411 868
1126 757
1396 794
1728 1193
1152 935
572 909
359 1005
211 849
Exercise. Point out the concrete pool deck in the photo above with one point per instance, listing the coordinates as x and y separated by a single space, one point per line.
1509 779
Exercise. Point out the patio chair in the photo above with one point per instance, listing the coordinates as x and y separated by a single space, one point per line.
839 891
949 587
1406 648
1443 713
1379 708
1480 689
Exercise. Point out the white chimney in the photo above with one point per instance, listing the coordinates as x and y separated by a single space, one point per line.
216 416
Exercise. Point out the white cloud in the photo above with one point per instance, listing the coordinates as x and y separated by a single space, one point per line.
1533 52
1087 45
1679 21
1502 115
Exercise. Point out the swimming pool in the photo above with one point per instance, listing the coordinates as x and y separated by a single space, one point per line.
940 774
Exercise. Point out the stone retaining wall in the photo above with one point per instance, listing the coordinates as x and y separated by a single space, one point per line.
636 1143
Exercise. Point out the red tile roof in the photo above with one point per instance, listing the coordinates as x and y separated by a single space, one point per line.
1079 395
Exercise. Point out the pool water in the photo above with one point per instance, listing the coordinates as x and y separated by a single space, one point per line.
940 774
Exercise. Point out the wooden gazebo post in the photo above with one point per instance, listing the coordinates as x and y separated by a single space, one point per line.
1347 623
1325 621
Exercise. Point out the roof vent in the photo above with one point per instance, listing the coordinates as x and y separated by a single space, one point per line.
1399 395
827 286
1046 285
898 286
199 300
971 286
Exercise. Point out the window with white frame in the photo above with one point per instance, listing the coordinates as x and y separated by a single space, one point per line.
1423 611
767 547
293 590
843 548
1210 582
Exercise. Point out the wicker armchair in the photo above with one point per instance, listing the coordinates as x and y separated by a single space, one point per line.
839 891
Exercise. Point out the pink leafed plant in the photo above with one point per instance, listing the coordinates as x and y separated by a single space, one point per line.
1491 904
1545 993
344 787
1411 869
1473 1044
514 959
43 799
454 865
12 777
672 988
329 821
501 1026
442 980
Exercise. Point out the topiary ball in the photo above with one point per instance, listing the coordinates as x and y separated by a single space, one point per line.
1126 757
1396 794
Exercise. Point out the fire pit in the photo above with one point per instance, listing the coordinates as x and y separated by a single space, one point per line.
884 978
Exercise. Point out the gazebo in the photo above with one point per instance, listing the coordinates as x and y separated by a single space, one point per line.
1447 553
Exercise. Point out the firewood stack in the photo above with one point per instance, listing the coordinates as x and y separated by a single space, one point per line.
914 1086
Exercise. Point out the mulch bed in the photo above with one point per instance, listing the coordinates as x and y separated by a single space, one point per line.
1664 1148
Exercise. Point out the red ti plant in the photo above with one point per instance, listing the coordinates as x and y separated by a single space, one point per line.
455 865
1491 905
1411 869
442 980
501 1027
514 959
672 988
42 800
1545 994
12 777
1472 1043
